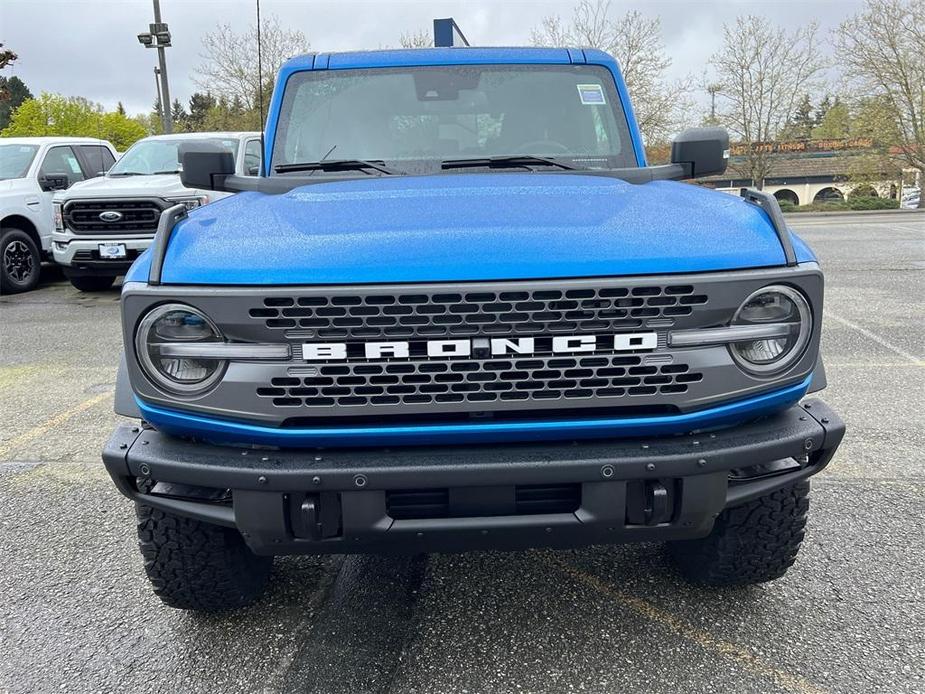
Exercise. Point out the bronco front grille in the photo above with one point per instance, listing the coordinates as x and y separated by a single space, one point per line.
536 312
138 216
335 375
479 382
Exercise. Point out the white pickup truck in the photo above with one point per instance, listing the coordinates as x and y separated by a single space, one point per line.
31 170
103 225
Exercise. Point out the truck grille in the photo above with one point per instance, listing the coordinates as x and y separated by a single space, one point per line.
614 379
477 382
138 216
538 312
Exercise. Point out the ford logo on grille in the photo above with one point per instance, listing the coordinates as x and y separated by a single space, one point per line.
110 216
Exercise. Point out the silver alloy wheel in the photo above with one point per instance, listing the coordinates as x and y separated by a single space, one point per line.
18 261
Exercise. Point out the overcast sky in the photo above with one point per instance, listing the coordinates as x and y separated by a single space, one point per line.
88 47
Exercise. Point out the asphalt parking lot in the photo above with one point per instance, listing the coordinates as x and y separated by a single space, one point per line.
76 614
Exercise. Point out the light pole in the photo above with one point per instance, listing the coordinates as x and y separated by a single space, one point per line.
158 36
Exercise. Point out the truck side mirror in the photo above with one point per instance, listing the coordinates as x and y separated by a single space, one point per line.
701 151
206 167
50 182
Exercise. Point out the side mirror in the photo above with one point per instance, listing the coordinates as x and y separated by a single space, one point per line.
50 182
206 167
701 151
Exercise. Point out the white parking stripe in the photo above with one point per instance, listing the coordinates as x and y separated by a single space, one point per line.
876 338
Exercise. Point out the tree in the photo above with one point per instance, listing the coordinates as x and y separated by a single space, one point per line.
229 65
801 122
823 108
765 69
835 124
636 42
120 109
199 105
6 56
882 49
178 115
416 39
13 92
53 114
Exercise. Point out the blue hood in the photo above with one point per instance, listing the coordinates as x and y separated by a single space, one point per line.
463 227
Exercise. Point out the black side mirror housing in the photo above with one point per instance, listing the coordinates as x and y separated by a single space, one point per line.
50 182
206 167
701 151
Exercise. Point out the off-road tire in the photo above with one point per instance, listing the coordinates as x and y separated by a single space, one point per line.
92 283
199 566
19 252
752 543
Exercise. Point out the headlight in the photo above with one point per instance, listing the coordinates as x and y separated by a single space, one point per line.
59 217
778 305
172 324
190 203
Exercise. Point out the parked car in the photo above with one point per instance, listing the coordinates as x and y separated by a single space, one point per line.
104 224
910 198
460 311
31 170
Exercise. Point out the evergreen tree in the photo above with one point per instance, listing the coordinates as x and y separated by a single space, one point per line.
801 125
199 105
13 91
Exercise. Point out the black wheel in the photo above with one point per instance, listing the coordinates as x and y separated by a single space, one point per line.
199 566
752 543
20 261
92 283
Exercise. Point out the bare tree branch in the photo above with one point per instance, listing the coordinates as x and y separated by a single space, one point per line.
882 50
636 42
762 71
229 65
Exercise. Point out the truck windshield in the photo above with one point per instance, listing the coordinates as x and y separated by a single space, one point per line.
148 157
418 119
15 160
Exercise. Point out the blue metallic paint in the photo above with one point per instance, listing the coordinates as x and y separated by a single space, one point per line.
466 227
228 431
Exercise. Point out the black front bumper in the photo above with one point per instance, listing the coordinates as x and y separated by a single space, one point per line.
464 497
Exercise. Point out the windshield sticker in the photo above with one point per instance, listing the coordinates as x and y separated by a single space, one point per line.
591 94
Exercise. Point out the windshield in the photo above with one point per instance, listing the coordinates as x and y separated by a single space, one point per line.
163 156
417 118
15 160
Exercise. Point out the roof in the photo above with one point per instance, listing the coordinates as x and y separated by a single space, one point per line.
47 140
831 164
457 55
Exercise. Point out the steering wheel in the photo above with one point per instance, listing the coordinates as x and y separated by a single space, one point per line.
539 145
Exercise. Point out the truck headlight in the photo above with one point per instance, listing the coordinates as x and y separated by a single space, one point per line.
167 326
59 216
190 203
779 305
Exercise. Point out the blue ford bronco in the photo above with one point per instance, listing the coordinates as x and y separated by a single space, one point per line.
458 310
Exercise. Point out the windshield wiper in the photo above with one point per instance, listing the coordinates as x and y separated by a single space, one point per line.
338 165
157 173
127 173
505 162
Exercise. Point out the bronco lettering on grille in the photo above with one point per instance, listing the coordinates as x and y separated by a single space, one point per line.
479 347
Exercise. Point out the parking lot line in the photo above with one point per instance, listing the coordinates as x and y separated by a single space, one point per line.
49 424
705 640
876 338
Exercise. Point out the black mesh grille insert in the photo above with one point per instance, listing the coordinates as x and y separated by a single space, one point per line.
537 312
477 382
138 216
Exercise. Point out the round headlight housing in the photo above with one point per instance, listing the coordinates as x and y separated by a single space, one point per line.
172 324
777 305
